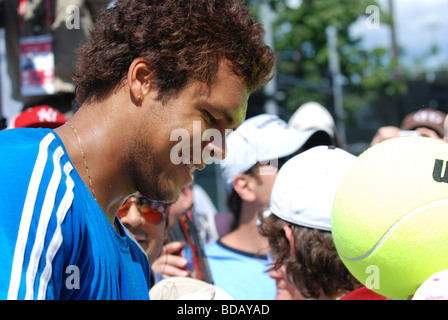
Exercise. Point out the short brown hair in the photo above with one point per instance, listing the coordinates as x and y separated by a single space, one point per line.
183 40
316 266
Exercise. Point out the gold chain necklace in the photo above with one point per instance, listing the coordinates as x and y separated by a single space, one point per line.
84 158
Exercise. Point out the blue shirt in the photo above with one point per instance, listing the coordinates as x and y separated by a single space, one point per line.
242 275
56 242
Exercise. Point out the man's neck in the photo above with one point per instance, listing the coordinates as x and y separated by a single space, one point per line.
98 141
247 238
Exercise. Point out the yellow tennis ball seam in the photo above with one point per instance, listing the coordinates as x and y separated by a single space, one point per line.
399 222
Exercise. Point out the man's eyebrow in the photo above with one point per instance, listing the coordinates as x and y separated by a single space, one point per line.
227 116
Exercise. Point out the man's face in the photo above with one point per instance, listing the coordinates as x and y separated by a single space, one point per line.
177 130
285 289
151 236
264 182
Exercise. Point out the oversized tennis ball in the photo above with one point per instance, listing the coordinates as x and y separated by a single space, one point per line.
390 215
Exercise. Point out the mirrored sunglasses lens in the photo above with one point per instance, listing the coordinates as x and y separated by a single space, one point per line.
154 212
153 216
124 209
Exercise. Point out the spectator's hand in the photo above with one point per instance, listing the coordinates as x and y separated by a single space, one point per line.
385 133
170 264
426 132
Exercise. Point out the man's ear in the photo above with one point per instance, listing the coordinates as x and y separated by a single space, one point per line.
290 237
139 80
243 186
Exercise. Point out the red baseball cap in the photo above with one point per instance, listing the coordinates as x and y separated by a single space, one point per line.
42 116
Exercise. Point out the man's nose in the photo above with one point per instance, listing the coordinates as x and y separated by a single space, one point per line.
214 147
133 217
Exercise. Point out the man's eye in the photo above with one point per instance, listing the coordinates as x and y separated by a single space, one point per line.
210 117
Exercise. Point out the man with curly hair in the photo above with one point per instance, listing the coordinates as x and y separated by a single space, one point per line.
148 69
298 226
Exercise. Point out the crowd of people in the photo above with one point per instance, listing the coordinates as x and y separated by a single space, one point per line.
94 188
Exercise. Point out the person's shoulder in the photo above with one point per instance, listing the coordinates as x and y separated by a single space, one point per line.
26 153
26 144
32 172
20 137
219 250
213 247
216 250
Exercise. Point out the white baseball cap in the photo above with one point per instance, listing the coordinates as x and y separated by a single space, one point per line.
305 186
182 288
312 115
434 288
264 138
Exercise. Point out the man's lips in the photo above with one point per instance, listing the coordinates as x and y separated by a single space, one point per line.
139 235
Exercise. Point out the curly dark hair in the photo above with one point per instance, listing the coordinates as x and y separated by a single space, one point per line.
316 267
182 40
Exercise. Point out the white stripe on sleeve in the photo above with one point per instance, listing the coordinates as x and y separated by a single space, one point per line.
44 219
27 214
56 241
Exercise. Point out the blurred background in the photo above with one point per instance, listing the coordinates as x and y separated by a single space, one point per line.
369 63
391 59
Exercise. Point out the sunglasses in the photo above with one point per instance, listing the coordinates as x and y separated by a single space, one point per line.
153 212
